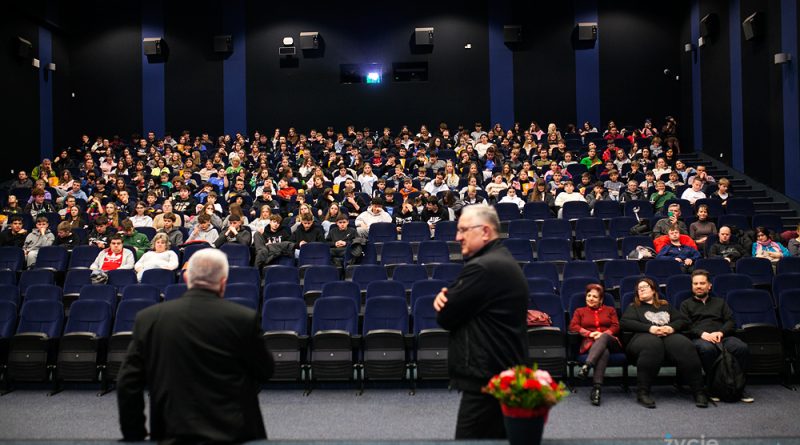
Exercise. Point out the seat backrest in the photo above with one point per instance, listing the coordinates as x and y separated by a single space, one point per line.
99 292
426 288
174 291
507 211
722 284
581 268
415 231
126 314
346 289
629 243
520 249
645 208
447 272
338 313
45 316
8 318
158 277
141 292
788 264
606 209
785 282
523 229
542 269
248 291
432 251
284 314
386 288
190 249
281 274
758 269
409 273
789 305
620 226
751 306
318 254
740 206
33 277
89 316
316 276
49 292
243 275
52 257
382 232
662 269
11 258
554 249
397 252
386 312
678 283
367 273
556 228
600 248
551 305
589 226
238 254
283 290
123 277
615 270
445 231
714 266
536 210
424 314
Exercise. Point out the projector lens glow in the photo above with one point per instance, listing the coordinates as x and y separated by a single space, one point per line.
373 77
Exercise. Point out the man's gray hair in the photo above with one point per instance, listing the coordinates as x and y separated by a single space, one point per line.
207 267
485 214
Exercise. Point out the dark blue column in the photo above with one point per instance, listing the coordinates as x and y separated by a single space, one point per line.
233 69
791 114
587 69
697 108
45 94
501 68
152 73
737 119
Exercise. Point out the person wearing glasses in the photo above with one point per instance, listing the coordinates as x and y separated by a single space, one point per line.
485 312
657 328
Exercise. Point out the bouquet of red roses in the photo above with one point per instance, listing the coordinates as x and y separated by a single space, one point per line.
525 392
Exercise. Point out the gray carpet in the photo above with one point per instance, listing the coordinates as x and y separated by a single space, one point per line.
391 414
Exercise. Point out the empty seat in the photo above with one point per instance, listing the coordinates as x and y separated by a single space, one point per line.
759 329
334 323
540 285
385 327
314 254
758 269
677 284
367 273
190 249
600 249
284 322
120 278
53 258
33 277
99 292
408 274
344 289
238 254
174 291
606 210
244 291
541 269
160 278
507 211
589 227
573 210
579 268
615 270
547 345
445 231
433 252
11 258
788 264
247 275
784 282
40 324
315 278
10 293
447 272
414 232
79 351
554 249
48 292
557 228
771 222
280 274
523 229
630 243
141 292
537 211
121 335
662 269
75 280
387 288
397 252
714 266
8 277
426 288
640 206
431 348
734 221
521 249
283 290
740 206
722 284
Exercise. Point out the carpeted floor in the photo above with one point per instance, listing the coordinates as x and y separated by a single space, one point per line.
391 414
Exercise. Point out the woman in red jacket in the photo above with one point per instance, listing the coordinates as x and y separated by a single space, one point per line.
599 327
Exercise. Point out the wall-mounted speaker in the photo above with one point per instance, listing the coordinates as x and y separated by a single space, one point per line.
309 40
709 26
223 44
752 26
587 32
512 33
423 36
153 46
24 48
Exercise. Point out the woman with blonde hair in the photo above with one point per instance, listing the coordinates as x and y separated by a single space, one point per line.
159 257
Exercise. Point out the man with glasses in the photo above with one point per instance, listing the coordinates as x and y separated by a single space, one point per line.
485 312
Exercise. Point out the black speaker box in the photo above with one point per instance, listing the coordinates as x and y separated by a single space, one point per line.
24 48
309 40
153 46
512 33
423 36
587 32
223 44
752 26
709 25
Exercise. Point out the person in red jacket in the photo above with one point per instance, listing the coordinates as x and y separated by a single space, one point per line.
599 326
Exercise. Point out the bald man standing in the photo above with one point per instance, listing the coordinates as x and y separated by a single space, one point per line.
202 358
485 311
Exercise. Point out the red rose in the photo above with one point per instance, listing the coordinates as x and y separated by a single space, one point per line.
554 385
532 384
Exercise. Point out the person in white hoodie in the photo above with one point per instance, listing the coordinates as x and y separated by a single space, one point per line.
375 213
511 196
160 257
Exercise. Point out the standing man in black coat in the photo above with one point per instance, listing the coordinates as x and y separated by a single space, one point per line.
202 359
485 311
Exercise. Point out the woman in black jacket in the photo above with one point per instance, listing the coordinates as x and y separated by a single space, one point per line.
656 326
